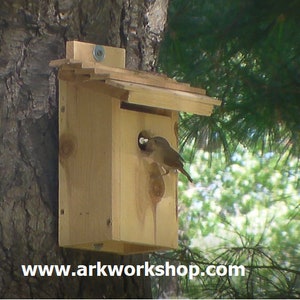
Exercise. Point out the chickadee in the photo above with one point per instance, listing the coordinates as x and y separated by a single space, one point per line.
162 153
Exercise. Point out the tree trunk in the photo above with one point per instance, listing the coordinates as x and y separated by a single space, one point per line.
31 34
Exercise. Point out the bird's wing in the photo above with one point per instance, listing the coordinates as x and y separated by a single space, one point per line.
173 159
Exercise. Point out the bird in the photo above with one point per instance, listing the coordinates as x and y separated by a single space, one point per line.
162 153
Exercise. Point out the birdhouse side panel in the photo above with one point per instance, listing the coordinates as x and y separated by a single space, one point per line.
84 165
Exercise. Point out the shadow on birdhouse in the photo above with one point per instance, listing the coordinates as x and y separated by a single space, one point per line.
111 197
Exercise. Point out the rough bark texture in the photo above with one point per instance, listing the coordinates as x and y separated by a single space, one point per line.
31 34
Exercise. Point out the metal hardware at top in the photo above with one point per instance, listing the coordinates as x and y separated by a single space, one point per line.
99 53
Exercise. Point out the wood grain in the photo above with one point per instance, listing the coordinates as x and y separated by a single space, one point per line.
111 195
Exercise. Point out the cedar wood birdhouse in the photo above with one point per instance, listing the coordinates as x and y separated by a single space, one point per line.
111 197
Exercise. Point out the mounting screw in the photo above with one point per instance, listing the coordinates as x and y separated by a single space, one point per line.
99 53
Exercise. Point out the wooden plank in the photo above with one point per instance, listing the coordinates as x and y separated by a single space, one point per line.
97 71
64 62
146 78
147 89
69 75
143 220
84 52
89 71
167 99
152 79
84 165
143 94
119 247
171 102
108 90
79 55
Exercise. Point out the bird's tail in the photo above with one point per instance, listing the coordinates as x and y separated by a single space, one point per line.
184 172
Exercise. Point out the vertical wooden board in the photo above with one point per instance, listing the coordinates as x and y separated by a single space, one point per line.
116 169
84 166
114 57
167 217
142 221
64 210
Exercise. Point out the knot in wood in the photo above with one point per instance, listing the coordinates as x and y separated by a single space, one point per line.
156 184
67 145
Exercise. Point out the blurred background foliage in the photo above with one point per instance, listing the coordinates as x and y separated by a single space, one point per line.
245 205
245 53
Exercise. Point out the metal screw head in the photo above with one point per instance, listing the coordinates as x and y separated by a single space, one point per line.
99 53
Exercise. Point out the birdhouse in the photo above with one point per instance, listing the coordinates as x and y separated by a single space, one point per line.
111 196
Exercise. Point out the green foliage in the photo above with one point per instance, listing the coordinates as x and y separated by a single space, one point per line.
245 213
245 53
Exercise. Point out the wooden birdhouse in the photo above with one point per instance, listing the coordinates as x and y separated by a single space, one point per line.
111 197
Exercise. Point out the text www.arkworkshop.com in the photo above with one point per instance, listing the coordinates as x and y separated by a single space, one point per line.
145 269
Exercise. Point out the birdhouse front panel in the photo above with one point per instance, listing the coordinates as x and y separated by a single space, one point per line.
147 200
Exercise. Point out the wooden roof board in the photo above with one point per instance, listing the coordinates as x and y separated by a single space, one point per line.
167 92
147 78
171 100
139 87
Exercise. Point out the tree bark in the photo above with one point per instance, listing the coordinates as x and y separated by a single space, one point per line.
31 34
